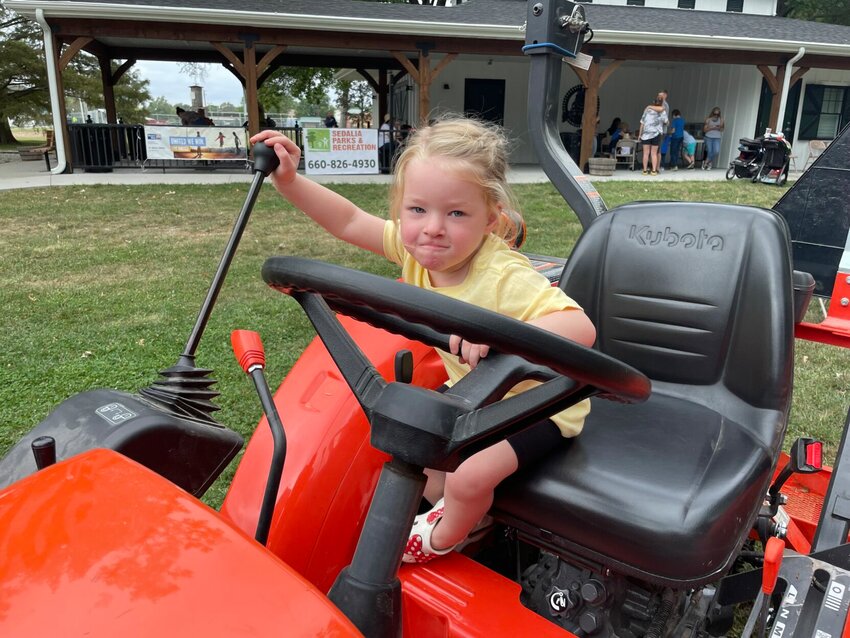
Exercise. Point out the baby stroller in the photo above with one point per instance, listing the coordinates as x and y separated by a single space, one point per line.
749 161
776 160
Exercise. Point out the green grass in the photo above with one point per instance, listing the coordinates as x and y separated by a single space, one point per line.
100 286
25 138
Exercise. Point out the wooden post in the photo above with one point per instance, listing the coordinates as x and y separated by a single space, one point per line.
592 80
424 76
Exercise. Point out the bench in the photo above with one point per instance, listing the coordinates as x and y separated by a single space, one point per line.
31 154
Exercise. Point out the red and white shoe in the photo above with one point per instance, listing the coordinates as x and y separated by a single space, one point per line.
418 549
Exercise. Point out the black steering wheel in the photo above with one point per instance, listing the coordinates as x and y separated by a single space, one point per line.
437 430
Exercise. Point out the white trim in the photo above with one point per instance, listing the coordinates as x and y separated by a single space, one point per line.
107 11
58 128
97 10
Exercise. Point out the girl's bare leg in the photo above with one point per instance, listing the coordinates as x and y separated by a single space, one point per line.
469 492
654 153
645 156
436 485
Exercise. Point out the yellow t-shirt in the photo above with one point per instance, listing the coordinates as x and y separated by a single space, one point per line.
500 280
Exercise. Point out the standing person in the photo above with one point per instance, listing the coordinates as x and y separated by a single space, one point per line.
690 145
452 219
713 129
220 138
651 129
330 120
677 137
665 141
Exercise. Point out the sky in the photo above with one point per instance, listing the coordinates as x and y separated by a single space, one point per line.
167 81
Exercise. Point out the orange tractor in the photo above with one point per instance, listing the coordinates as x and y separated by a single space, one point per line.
639 527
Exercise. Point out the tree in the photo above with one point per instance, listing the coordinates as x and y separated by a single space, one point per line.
831 12
308 86
24 93
355 96
23 83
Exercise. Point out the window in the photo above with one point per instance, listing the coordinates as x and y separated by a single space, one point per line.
826 110
686 4
735 5
634 3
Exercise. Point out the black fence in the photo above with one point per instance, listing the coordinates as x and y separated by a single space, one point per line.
104 147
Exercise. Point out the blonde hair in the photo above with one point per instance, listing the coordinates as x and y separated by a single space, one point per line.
482 149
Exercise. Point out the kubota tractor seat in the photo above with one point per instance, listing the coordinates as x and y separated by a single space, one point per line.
699 298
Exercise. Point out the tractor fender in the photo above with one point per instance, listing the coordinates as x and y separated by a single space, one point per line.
330 470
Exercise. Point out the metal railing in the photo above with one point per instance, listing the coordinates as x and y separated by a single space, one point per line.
104 147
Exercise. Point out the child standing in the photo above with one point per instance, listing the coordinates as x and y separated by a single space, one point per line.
452 216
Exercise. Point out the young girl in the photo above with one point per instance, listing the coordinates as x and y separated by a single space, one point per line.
452 215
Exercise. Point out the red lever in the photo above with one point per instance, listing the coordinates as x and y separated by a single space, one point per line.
772 561
814 454
248 349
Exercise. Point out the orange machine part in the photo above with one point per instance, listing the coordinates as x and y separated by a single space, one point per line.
455 596
100 546
330 470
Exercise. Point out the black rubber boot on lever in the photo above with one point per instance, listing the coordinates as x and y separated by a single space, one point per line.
183 388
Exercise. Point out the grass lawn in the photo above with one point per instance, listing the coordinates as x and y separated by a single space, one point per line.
100 286
25 137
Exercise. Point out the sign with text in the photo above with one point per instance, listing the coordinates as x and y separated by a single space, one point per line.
340 150
195 143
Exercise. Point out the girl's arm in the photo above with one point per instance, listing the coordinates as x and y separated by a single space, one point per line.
333 212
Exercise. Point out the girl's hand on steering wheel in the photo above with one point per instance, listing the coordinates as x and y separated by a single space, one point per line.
467 352
287 152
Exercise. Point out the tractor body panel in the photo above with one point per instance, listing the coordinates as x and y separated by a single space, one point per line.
100 546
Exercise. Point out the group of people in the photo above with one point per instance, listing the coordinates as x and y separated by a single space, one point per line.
662 132
664 138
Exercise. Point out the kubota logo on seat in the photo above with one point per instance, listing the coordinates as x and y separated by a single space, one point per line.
647 236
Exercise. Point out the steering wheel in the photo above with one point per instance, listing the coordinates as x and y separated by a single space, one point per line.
439 430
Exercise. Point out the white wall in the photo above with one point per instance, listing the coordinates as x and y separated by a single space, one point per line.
696 89
800 148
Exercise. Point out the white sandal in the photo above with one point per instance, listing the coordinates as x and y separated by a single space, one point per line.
418 548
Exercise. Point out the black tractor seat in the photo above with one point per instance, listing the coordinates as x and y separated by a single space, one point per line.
699 298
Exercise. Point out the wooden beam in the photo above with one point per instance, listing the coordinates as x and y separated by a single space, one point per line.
121 70
581 74
108 90
590 115
230 56
269 57
407 64
773 119
609 70
798 74
252 104
363 73
72 50
442 64
770 77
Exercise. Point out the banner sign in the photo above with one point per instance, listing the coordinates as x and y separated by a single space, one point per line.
340 150
196 143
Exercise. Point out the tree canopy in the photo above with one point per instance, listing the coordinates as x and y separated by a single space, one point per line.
24 93
831 11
